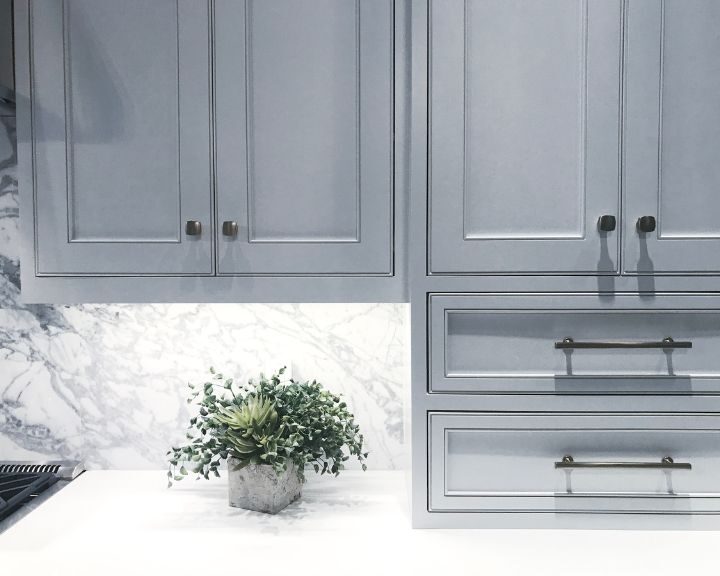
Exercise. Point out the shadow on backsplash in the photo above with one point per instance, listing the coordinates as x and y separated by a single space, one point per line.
106 383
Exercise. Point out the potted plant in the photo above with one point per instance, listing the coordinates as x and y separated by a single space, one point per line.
268 431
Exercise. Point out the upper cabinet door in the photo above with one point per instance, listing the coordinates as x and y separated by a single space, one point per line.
524 135
672 136
121 131
304 129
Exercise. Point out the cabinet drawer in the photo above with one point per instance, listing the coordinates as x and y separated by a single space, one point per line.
512 462
516 344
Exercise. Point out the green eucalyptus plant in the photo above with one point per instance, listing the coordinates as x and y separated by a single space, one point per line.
271 422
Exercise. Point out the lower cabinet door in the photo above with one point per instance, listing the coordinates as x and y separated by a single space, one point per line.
671 134
569 462
524 113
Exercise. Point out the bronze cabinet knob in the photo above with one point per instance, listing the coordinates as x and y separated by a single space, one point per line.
230 228
193 228
646 224
607 223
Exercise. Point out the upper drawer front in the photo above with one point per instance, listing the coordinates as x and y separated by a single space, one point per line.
507 462
491 344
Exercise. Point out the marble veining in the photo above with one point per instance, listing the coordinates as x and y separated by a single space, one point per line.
107 383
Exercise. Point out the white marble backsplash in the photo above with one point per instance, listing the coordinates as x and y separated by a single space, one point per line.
106 383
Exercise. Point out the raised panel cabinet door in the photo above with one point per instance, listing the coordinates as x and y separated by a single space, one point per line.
304 100
672 137
524 101
121 135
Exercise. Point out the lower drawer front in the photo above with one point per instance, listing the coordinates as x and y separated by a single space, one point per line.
618 463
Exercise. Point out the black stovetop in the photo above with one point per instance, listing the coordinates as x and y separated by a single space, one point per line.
17 489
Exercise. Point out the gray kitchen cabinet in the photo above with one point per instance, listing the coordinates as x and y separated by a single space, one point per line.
672 137
121 149
564 263
304 104
524 136
219 150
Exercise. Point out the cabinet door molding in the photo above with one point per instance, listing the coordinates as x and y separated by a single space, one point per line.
304 94
524 136
121 136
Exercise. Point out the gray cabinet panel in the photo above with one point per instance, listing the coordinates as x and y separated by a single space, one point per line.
7 76
504 462
121 136
672 131
304 136
524 135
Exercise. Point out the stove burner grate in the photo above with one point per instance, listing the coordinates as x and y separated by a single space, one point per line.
18 488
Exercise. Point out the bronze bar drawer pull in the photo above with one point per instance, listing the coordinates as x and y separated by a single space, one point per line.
664 344
667 463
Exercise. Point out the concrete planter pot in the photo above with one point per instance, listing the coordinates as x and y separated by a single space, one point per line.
258 487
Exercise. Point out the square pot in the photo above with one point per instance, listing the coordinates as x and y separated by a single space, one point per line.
258 487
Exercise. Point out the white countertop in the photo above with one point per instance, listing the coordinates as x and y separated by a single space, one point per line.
129 523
